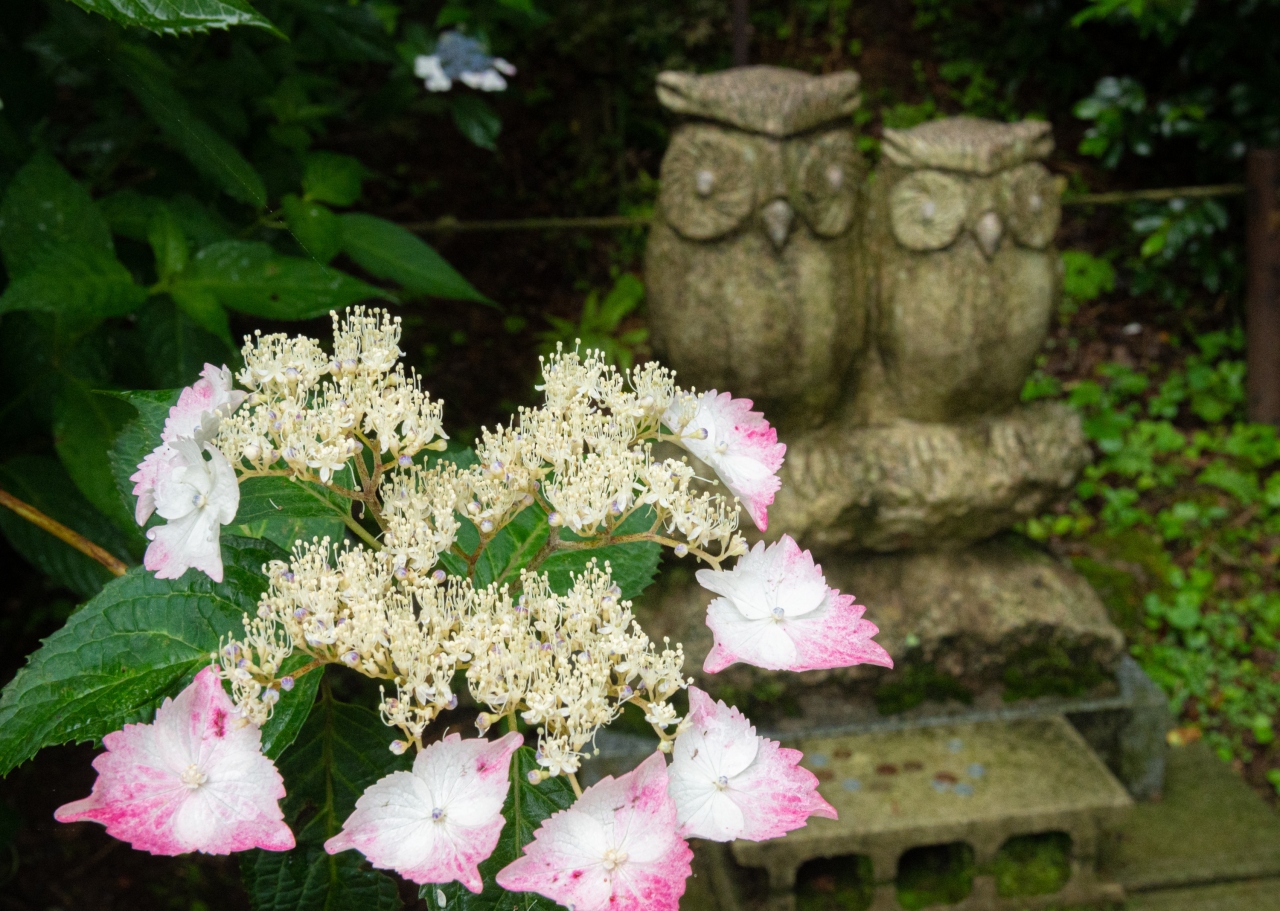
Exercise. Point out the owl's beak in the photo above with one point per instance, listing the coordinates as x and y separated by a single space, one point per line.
989 230
778 216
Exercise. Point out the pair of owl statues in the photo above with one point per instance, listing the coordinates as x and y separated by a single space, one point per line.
886 322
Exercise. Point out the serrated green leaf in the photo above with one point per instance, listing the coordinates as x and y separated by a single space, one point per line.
632 566
81 283
177 348
151 82
476 120
179 17
250 277
524 810
139 436
139 640
285 511
389 251
43 483
44 209
332 178
341 751
85 423
315 228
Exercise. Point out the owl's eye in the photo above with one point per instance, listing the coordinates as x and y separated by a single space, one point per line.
927 209
1032 202
825 181
708 185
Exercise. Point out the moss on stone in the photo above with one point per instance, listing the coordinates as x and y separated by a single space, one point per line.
936 875
915 683
1049 669
1033 865
835 884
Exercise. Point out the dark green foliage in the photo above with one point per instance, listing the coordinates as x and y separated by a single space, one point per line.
526 806
913 683
341 750
43 483
178 17
1175 525
139 640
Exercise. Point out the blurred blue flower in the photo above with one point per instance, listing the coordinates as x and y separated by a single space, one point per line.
460 57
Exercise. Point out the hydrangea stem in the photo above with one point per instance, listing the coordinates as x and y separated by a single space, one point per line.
64 534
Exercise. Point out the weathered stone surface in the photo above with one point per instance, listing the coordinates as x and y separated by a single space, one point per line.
1209 827
762 99
979 784
911 485
968 612
960 225
971 613
755 274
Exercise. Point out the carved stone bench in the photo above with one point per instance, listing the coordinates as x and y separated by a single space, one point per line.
978 784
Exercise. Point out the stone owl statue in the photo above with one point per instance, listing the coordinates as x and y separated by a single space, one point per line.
753 268
960 224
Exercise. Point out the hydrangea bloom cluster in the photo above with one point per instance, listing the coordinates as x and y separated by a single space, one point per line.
464 58
400 600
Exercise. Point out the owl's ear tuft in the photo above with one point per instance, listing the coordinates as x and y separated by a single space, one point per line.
675 90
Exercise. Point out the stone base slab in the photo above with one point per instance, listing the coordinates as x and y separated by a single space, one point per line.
980 784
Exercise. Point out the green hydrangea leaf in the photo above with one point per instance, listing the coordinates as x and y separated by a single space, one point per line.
137 641
341 751
389 251
250 277
179 17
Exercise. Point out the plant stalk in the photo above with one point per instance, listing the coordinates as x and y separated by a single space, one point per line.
64 534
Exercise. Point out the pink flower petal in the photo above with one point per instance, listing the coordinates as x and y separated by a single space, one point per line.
615 849
729 783
776 612
738 443
192 780
212 395
438 822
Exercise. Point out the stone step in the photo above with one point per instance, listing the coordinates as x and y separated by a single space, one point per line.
1209 827
976 784
1250 895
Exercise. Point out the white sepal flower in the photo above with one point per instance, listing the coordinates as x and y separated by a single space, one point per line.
738 443
729 783
197 497
438 822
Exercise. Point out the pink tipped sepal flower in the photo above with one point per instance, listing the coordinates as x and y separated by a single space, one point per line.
197 498
192 780
199 410
775 611
729 783
736 442
616 849
438 822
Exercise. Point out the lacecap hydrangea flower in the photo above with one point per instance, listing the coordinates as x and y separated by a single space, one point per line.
398 600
